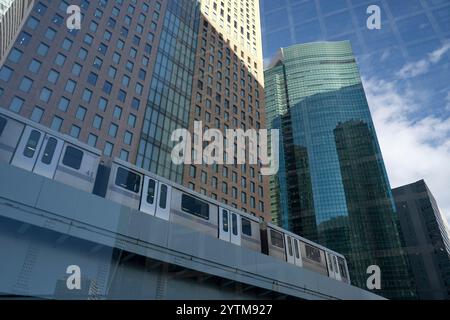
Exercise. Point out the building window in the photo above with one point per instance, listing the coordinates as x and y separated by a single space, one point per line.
25 84
113 130
5 73
60 59
45 95
70 86
92 78
67 44
124 155
131 120
92 140
97 122
32 23
76 69
56 123
24 38
117 112
37 113
87 95
75 131
53 76
102 104
16 104
108 149
63 104
42 50
128 137
34 66
81 113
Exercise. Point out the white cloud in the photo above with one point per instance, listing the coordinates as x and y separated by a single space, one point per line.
412 150
413 69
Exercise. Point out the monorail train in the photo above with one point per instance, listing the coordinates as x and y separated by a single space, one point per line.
35 148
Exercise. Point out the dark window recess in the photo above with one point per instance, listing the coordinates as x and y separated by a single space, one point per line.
297 254
277 239
225 220
234 226
49 151
290 246
128 180
163 197
195 206
32 143
246 227
72 158
312 253
151 191
3 122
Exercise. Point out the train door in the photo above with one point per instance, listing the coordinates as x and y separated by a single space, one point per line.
164 198
336 268
332 266
230 226
48 157
10 132
289 249
224 225
297 255
28 149
149 196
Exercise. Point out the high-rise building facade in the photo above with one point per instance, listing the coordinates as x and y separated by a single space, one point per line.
426 239
138 70
13 13
332 186
228 94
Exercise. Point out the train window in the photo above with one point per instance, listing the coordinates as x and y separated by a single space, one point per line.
341 264
151 191
312 253
128 180
72 158
234 224
3 122
163 197
289 245
335 264
276 239
225 220
246 227
195 206
32 143
49 151
297 254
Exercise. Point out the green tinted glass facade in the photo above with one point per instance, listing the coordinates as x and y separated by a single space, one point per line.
170 93
332 186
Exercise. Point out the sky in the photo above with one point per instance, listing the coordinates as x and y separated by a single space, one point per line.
405 68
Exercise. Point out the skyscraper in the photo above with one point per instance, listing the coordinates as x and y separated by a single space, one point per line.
425 238
136 71
332 185
228 94
13 13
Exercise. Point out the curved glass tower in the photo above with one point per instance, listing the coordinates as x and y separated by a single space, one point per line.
332 186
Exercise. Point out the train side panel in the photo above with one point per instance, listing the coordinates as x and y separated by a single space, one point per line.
194 213
10 133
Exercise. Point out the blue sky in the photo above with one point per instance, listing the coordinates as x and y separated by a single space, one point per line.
405 67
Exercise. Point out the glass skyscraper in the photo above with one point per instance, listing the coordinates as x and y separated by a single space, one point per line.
332 186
